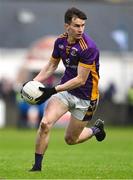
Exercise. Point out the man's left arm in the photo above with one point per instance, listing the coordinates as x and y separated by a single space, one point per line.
78 81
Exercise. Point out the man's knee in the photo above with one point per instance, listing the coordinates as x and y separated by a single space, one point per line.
70 140
44 127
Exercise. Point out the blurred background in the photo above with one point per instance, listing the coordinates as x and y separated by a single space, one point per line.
28 29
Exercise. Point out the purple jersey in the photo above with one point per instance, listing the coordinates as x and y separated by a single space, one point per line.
82 53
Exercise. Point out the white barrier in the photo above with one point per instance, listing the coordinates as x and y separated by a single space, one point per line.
114 67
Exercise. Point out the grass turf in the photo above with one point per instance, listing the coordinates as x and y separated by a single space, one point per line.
111 159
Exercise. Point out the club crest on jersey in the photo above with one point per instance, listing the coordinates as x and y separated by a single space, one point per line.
74 51
61 46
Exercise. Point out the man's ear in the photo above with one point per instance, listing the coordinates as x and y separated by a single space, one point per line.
66 26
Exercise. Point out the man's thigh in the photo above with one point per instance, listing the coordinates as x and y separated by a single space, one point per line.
75 127
54 110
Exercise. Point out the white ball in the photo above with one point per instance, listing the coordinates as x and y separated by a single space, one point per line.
30 91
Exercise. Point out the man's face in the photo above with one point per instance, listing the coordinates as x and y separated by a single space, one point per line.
76 28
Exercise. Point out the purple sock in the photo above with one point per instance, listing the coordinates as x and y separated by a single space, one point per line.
38 159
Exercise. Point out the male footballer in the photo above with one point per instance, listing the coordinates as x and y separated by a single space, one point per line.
77 91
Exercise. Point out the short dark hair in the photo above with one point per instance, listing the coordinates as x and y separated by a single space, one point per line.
74 12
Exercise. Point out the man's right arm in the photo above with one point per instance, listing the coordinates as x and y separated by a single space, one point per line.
47 70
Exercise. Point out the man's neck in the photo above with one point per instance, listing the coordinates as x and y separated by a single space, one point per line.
71 40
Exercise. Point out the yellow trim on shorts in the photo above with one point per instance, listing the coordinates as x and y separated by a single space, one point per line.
88 113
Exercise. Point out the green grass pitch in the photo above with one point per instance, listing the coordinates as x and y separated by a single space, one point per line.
111 159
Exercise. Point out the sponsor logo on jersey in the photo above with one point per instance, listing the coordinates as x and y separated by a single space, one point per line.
67 60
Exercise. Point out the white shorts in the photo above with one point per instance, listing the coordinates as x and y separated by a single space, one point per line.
79 108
